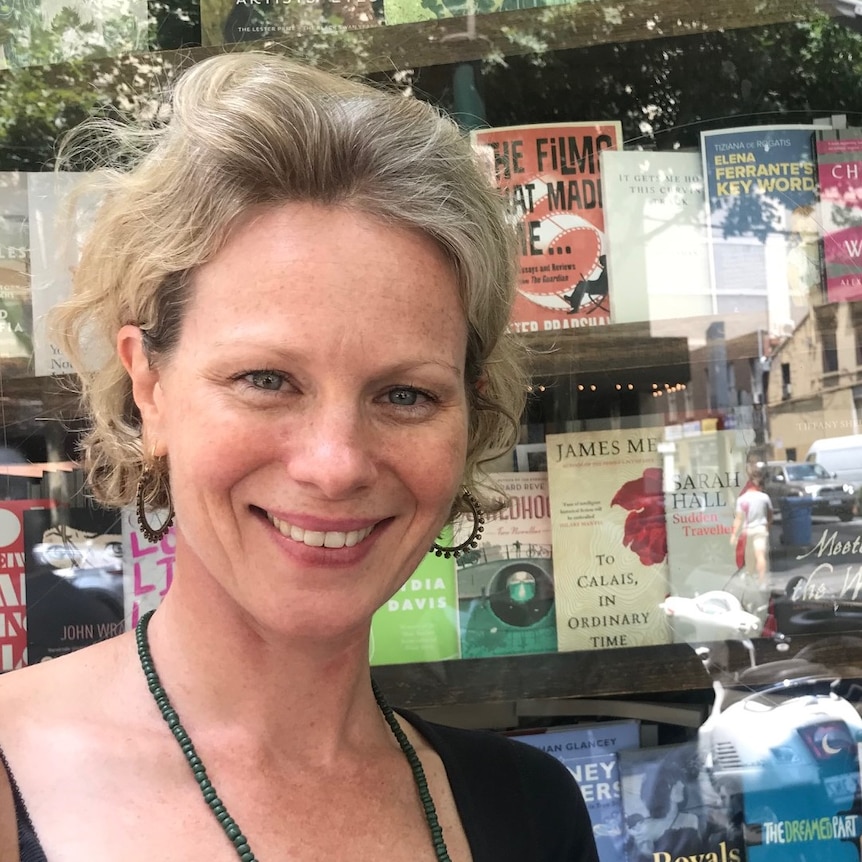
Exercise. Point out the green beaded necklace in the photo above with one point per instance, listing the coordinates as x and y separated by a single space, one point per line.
228 824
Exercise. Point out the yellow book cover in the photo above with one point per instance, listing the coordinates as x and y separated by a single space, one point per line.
609 538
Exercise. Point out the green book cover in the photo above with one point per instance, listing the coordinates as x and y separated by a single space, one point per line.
420 622
506 584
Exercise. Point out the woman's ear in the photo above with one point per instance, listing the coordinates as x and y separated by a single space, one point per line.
146 385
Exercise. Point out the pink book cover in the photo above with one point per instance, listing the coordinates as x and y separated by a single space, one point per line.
839 174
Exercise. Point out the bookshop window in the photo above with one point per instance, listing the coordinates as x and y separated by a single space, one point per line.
685 182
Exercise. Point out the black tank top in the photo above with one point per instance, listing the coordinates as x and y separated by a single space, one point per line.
28 844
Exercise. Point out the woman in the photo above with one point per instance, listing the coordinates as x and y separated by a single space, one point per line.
751 523
299 294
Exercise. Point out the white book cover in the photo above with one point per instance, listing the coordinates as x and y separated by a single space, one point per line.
16 313
655 217
58 223
609 538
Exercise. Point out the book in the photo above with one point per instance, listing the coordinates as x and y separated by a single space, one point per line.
40 32
761 194
16 310
609 537
839 175
589 752
671 810
225 22
58 223
74 579
578 740
551 175
13 581
598 777
148 567
785 753
655 216
506 584
706 474
420 622
410 11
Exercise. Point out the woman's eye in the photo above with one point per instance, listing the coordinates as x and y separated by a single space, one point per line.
404 397
270 380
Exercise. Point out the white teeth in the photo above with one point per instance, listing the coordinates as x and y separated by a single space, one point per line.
316 539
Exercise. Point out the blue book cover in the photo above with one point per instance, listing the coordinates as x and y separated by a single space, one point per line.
761 198
789 753
672 812
588 751
598 776
580 740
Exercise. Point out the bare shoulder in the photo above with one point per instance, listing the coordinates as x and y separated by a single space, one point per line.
62 689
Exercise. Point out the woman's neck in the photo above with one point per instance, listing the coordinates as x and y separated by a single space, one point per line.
222 671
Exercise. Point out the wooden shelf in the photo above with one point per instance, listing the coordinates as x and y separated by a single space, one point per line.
636 672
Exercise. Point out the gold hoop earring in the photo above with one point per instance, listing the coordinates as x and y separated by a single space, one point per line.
472 540
151 533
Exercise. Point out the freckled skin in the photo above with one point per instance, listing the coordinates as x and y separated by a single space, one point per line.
359 326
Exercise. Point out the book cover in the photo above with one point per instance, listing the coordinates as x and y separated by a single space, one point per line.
786 754
148 568
764 250
609 537
13 581
58 223
16 310
40 32
655 214
420 622
839 175
74 579
506 584
588 751
409 11
580 740
708 591
672 812
598 776
225 22
551 175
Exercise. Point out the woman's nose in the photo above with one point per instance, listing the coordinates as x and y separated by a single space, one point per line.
333 450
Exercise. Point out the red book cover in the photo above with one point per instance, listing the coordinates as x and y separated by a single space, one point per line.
13 589
551 175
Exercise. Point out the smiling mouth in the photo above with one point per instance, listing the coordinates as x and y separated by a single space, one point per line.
316 539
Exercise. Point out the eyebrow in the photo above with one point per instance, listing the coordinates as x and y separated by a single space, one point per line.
405 366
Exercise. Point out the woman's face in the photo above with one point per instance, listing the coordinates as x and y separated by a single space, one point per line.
314 415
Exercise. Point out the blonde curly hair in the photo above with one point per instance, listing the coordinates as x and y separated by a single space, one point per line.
251 129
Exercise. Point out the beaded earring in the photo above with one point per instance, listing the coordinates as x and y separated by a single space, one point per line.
150 477
473 539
